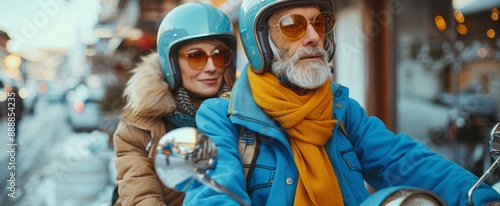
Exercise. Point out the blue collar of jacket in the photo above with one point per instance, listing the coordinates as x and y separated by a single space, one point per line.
244 110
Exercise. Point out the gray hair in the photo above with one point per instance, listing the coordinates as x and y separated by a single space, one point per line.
311 77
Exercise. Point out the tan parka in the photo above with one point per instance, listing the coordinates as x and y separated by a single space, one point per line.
135 140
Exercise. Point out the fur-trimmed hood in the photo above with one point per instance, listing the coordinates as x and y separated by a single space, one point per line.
147 93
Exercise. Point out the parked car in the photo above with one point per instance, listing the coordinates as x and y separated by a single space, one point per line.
84 110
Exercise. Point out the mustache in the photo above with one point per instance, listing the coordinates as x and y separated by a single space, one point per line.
310 51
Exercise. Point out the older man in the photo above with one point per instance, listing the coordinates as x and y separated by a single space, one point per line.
317 145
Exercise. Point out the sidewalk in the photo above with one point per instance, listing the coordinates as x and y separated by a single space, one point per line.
56 166
78 174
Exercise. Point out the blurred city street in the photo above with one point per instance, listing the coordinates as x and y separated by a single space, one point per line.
55 165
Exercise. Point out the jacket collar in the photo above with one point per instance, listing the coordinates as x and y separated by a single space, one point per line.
243 105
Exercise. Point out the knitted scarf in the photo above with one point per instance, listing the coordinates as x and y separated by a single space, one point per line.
308 122
186 107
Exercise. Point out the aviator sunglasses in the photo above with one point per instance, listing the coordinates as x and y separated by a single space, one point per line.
294 26
197 58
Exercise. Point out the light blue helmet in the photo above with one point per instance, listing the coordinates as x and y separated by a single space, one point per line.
189 22
253 24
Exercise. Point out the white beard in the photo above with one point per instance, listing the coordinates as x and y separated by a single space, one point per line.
310 75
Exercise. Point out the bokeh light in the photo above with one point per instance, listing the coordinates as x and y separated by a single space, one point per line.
481 53
440 23
490 33
494 14
13 61
462 29
459 17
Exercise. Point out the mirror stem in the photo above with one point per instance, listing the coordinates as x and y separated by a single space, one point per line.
201 177
488 172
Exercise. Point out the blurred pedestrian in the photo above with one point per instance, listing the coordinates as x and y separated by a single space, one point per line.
195 61
167 151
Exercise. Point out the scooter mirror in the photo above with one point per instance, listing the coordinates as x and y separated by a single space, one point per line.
181 155
494 142
494 145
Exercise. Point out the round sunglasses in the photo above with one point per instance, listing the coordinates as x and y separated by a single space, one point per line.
197 58
294 26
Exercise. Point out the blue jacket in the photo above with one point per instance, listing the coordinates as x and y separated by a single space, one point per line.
370 153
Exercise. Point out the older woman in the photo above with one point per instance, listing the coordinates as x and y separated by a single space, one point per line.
195 61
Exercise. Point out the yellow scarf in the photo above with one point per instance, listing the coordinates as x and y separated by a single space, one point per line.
308 122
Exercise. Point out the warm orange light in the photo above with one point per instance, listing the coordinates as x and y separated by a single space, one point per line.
494 16
440 23
218 3
462 29
490 33
13 61
459 17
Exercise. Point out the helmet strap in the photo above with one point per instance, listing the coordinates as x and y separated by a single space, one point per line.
285 82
